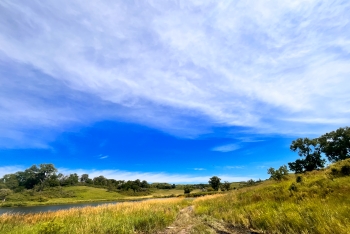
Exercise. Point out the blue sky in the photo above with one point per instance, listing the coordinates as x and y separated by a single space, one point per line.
170 91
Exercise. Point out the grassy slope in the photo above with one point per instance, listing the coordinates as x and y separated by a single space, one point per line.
320 204
77 194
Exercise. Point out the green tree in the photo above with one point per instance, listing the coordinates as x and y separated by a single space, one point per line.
10 181
84 178
215 182
187 189
336 144
310 150
4 193
44 173
100 180
225 186
144 184
278 174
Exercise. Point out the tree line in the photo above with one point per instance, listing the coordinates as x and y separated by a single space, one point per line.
45 175
333 146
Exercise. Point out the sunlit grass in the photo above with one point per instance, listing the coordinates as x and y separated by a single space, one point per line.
129 217
75 194
319 204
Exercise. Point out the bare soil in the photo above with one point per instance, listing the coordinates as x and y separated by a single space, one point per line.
187 222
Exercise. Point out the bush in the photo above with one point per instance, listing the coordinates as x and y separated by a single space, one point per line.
345 170
278 174
210 189
187 189
299 179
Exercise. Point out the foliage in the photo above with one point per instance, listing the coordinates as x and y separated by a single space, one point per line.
225 186
187 189
299 179
215 182
336 144
339 169
278 174
310 150
4 193
162 186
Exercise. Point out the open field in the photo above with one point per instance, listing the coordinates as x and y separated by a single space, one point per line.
79 194
318 203
129 217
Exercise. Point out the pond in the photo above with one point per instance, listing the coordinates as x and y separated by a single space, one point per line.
37 209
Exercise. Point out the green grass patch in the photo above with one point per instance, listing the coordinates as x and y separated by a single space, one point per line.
319 203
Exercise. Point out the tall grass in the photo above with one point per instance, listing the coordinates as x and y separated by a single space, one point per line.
320 203
130 217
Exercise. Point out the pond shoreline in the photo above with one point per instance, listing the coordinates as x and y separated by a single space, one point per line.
32 204
65 206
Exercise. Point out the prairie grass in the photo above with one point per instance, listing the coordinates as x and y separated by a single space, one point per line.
66 195
128 217
319 203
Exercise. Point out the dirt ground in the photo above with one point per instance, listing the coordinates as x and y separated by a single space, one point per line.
186 222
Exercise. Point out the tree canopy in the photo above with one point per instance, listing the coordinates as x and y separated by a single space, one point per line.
215 182
310 150
336 144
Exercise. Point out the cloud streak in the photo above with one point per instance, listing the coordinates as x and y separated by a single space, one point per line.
270 66
226 148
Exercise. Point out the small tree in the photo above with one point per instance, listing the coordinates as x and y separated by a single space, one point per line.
215 182
251 182
225 186
278 174
4 193
187 189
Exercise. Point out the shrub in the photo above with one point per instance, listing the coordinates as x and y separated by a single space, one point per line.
187 189
278 174
345 170
299 179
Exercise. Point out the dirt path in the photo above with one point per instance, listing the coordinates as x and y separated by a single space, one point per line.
186 222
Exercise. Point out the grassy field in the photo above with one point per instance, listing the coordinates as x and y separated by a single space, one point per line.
79 194
316 202
319 203
129 217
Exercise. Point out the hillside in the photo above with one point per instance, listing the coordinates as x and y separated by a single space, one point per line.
313 202
318 203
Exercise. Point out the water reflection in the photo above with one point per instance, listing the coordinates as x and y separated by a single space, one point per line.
38 209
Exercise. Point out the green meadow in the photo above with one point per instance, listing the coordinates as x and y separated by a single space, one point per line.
312 202
80 194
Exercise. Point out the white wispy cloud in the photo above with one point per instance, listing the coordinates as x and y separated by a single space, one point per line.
10 169
199 169
234 167
272 66
226 148
103 156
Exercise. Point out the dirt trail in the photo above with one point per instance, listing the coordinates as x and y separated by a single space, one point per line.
186 222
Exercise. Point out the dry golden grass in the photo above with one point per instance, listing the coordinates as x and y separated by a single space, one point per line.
129 217
319 204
